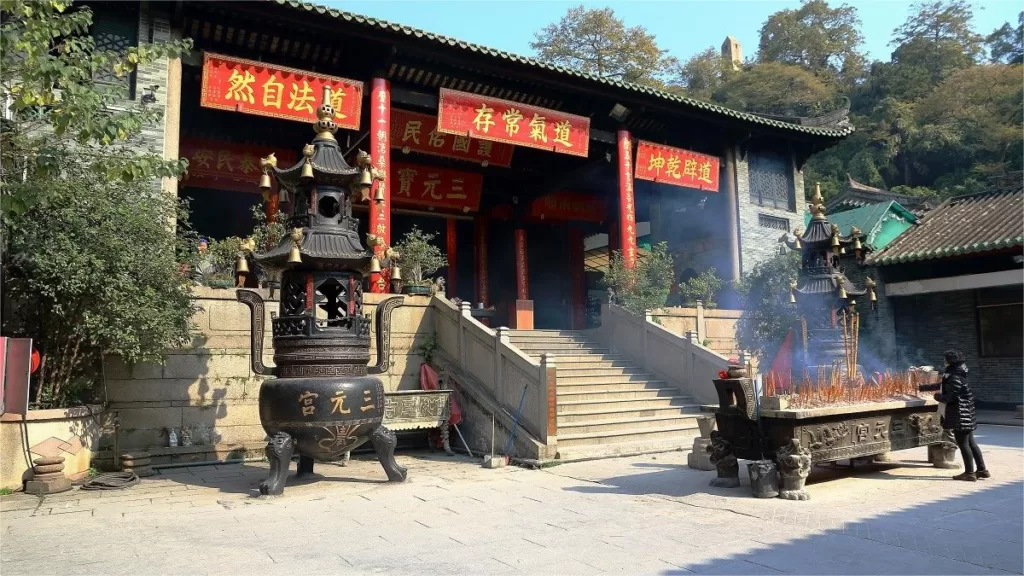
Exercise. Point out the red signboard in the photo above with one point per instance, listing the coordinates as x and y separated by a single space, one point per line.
224 165
414 132
569 206
668 165
257 88
465 114
627 207
437 187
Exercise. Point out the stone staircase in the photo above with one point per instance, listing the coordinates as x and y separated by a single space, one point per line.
606 405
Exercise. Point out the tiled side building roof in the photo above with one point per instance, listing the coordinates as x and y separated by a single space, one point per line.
960 226
858 195
506 57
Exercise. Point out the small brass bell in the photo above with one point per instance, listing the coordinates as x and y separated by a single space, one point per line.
366 178
842 291
374 265
396 273
797 245
842 250
792 292
282 196
307 170
241 265
265 181
835 243
294 256
378 197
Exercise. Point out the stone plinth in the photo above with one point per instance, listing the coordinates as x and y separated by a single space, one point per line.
699 459
48 477
138 462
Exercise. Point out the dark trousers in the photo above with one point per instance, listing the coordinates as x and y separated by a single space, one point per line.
969 450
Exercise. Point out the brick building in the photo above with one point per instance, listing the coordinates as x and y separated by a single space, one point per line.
956 280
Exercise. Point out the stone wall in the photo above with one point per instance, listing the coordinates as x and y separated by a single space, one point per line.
209 389
714 325
927 325
758 239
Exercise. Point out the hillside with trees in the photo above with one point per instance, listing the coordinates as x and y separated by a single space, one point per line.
940 117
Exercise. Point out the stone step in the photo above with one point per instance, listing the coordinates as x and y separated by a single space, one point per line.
620 373
608 384
531 343
569 419
551 334
567 407
584 450
574 360
626 424
608 394
562 349
680 434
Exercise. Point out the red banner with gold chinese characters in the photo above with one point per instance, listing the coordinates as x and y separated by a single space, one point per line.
221 165
437 187
627 206
567 205
668 165
415 132
263 90
465 114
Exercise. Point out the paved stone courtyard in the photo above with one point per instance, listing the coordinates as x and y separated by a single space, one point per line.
642 515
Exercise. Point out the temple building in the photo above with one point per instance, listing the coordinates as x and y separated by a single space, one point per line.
515 165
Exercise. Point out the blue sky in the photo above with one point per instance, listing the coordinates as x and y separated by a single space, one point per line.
684 27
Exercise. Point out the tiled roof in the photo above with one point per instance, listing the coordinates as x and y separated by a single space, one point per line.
505 57
868 219
857 195
963 225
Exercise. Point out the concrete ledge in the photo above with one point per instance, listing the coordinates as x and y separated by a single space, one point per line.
999 418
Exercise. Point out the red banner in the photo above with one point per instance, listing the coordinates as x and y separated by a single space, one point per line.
453 267
223 165
437 187
668 165
569 206
522 276
380 155
415 132
482 281
627 208
465 114
257 88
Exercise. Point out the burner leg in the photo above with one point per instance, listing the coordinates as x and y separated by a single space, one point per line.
305 466
384 443
279 453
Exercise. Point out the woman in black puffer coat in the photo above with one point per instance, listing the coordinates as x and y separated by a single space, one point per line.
959 415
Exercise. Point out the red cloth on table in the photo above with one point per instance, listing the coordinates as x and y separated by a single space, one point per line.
429 381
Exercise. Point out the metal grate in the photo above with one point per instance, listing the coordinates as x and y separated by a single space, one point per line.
116 30
773 222
771 180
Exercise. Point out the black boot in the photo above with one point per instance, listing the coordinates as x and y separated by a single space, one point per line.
966 476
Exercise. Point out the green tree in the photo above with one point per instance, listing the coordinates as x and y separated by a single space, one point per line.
704 287
939 37
775 88
48 66
816 37
703 74
767 313
597 42
645 286
418 255
1006 43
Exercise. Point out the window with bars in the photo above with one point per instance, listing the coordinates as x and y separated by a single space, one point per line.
115 28
771 180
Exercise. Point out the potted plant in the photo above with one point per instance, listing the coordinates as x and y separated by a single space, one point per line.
419 259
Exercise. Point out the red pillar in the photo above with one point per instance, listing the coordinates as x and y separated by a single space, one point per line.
579 281
627 207
453 276
481 261
523 316
380 155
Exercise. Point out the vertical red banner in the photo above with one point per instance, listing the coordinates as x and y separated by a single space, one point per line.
453 267
380 212
481 261
627 207
578 279
522 274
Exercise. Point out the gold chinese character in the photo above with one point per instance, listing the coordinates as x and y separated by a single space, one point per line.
405 178
656 163
483 120
224 160
412 131
306 402
301 99
382 138
247 164
273 91
562 134
672 167
201 159
512 118
690 168
457 193
436 139
483 148
430 186
241 87
367 401
537 126
704 174
461 144
338 100
338 403
380 230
